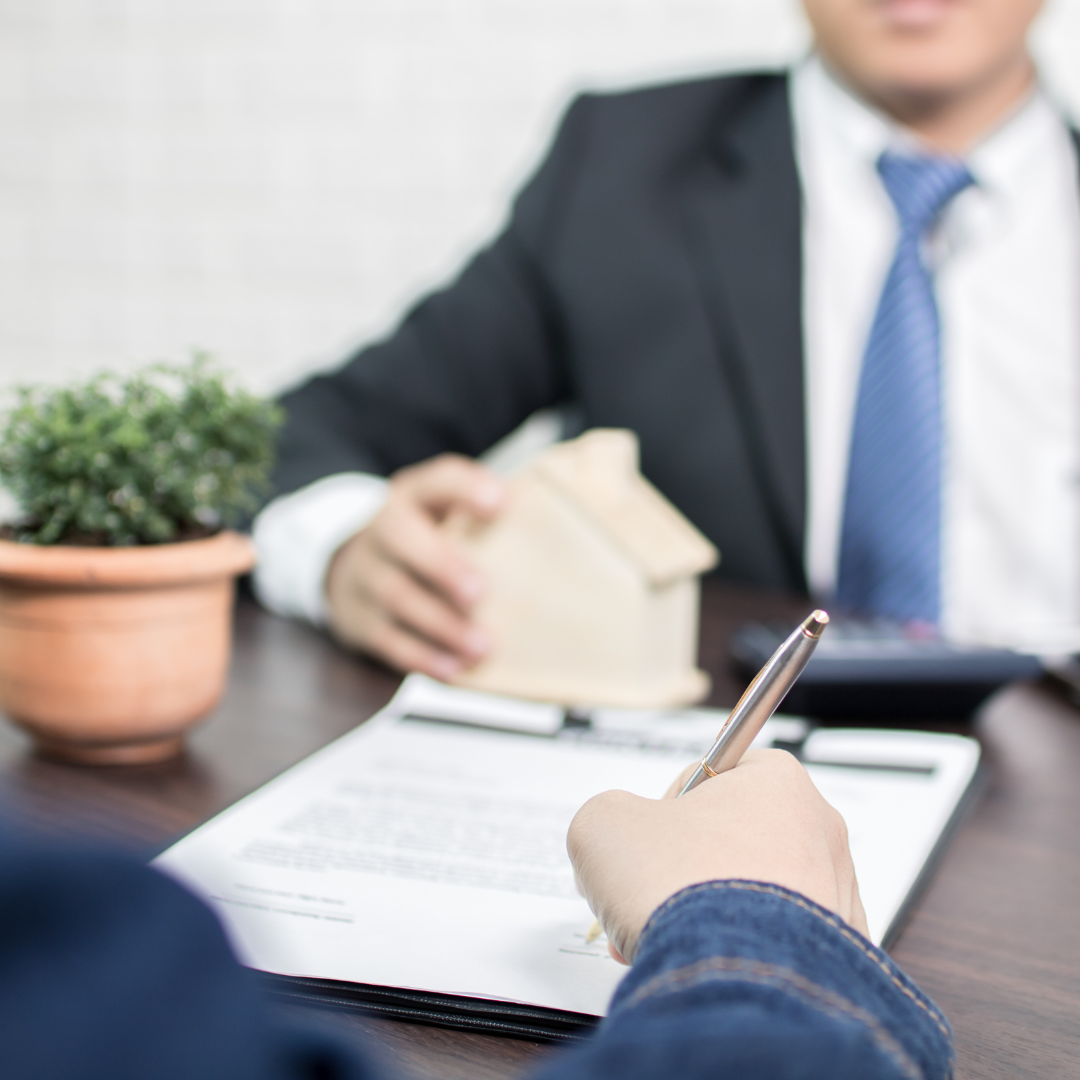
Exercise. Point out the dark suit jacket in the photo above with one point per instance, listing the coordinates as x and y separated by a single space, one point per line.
650 274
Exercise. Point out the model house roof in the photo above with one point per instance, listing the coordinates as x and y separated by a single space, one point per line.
598 473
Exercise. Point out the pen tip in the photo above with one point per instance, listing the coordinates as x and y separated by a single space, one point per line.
816 621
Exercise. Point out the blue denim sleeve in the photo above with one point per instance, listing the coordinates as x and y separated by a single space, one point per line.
745 979
109 971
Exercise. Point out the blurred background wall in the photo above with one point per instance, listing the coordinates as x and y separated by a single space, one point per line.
273 180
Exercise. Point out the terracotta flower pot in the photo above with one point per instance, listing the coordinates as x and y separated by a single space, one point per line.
108 655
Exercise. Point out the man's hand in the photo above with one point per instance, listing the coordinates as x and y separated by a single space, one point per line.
398 589
763 821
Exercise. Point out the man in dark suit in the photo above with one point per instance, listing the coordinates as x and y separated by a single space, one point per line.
743 271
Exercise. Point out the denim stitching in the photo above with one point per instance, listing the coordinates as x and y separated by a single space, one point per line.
835 923
730 969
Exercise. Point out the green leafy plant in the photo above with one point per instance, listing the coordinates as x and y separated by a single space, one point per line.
170 453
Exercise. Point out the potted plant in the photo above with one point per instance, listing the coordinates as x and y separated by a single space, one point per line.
117 579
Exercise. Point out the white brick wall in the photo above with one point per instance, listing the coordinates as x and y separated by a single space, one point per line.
274 179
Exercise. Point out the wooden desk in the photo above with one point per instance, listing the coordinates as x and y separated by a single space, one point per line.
996 940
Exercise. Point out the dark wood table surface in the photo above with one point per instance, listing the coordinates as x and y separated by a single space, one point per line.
995 940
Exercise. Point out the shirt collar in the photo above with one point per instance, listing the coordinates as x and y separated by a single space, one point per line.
848 122
999 162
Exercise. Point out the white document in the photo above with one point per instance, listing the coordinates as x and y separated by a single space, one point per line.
431 855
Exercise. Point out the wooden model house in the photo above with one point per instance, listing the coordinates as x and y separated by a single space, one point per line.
592 583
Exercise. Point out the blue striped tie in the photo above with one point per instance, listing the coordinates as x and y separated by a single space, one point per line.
890 545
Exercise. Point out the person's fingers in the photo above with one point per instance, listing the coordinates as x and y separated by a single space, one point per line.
407 652
764 820
373 602
856 913
405 534
851 906
677 786
400 589
451 481
414 607
616 955
595 827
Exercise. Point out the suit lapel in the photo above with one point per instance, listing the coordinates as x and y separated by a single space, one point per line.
744 229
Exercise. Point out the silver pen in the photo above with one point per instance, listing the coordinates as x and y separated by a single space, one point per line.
759 701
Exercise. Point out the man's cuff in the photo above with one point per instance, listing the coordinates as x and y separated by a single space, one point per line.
739 938
297 535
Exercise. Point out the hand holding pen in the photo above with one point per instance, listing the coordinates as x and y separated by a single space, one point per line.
758 703
764 821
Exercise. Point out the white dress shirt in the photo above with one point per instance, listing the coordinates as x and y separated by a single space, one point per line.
1007 267
1007 276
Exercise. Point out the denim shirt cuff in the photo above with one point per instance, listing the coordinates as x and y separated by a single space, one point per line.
726 937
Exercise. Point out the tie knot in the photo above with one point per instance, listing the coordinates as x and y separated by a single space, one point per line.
921 185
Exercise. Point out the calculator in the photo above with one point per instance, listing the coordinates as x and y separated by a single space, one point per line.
874 669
